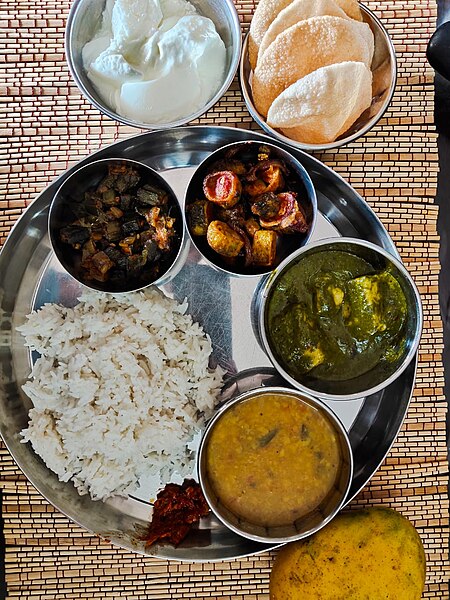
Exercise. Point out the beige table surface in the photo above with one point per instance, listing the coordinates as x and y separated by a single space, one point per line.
47 126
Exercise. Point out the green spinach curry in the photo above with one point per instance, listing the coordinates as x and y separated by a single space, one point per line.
334 316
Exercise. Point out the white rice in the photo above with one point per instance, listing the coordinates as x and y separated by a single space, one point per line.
121 387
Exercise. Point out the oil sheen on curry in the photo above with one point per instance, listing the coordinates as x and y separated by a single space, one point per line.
272 459
333 316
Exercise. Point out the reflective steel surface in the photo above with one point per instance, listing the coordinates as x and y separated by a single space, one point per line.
31 275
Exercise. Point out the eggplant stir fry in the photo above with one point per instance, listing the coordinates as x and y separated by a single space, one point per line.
123 229
247 206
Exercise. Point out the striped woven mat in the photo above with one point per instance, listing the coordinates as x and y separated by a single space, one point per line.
47 126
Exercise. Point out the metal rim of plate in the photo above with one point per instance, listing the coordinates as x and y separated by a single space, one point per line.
26 260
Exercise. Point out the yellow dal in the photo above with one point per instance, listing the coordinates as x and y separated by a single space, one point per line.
272 459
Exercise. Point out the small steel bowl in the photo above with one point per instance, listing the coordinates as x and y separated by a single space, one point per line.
304 526
61 214
384 72
84 21
379 376
248 151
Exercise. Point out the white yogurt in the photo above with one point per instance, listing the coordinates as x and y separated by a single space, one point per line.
155 61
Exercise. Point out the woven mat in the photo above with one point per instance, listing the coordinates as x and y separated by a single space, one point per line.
48 126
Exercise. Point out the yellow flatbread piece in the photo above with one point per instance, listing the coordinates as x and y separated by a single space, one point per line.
305 47
321 106
297 11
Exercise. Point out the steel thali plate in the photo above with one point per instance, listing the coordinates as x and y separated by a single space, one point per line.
30 275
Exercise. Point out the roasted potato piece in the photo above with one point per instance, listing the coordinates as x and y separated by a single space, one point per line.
223 188
264 248
223 239
200 215
374 553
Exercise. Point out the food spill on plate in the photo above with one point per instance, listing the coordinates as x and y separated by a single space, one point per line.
247 204
155 61
121 386
123 231
334 316
272 459
311 62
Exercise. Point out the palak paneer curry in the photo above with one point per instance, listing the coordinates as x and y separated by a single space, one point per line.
334 316
272 459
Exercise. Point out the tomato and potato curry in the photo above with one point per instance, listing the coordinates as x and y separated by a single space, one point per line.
246 205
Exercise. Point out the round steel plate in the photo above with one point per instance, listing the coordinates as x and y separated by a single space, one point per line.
30 275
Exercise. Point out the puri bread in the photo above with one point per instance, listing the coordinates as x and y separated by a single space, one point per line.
267 11
351 8
297 11
305 47
321 106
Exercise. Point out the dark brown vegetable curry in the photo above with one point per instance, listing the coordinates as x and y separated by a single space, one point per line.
122 229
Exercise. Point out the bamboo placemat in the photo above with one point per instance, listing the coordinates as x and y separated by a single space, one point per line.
47 126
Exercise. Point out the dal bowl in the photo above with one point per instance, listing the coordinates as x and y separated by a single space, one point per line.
275 465
241 168
384 73
339 319
84 21
89 228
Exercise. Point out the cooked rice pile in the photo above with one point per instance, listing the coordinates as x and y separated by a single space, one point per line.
120 388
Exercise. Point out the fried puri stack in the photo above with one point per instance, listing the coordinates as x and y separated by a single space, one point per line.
321 120
311 61
267 11
297 11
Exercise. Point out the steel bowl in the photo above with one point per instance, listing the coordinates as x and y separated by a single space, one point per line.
84 21
379 376
247 151
303 526
71 193
384 72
